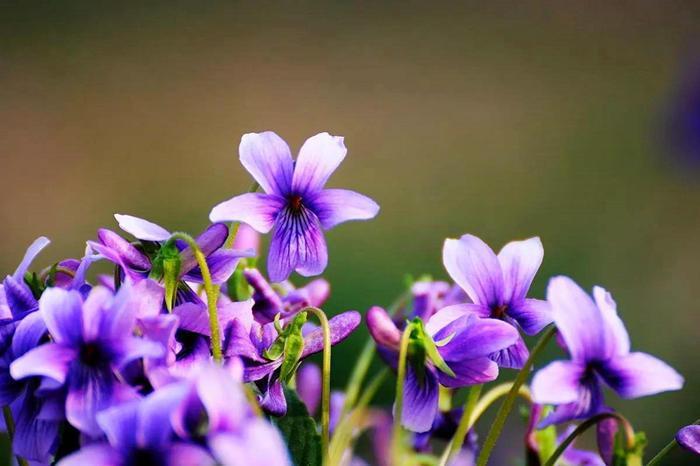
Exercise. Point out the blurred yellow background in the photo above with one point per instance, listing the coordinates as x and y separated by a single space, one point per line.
505 120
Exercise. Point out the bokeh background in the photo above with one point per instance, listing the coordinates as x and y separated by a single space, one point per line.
505 120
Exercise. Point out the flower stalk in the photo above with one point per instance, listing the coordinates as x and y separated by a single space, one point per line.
465 423
397 430
670 446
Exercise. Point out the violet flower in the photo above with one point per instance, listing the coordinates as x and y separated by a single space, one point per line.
689 438
252 346
431 296
498 286
464 341
16 294
139 433
91 341
600 352
294 204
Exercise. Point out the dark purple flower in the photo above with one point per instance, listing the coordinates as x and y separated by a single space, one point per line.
689 438
294 204
498 286
139 433
600 352
464 341
252 346
91 341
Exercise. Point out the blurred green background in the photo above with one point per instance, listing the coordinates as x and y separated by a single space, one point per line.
505 120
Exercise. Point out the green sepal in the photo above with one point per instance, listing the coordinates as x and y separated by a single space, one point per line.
420 336
300 432
633 457
166 267
51 276
238 287
34 284
290 344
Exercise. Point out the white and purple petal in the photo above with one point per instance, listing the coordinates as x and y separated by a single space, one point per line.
142 229
689 438
32 251
520 261
297 244
318 158
639 374
62 311
532 315
268 159
341 326
420 400
473 265
336 206
255 209
469 372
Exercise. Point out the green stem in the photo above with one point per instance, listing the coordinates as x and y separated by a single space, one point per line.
666 450
234 225
494 394
396 442
326 391
10 426
211 291
465 423
352 389
585 425
507 404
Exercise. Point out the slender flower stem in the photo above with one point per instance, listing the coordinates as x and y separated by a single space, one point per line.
234 225
352 389
585 425
211 291
465 423
396 446
326 393
507 404
494 394
666 450
10 426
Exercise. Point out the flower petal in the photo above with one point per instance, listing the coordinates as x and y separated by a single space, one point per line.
32 251
382 329
469 372
309 386
28 334
267 157
273 400
235 450
335 206
120 424
617 339
513 357
640 374
318 158
474 266
63 314
222 264
588 403
154 429
449 314
146 299
35 439
98 454
223 399
689 438
474 337
557 383
142 229
341 326
255 209
187 454
208 241
520 261
297 244
420 401
124 250
49 360
19 298
531 314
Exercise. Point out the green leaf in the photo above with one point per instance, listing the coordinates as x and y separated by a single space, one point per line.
166 267
300 432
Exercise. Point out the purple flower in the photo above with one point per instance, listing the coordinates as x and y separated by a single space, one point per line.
294 204
429 297
139 433
497 286
464 341
600 352
91 341
17 298
689 438
252 347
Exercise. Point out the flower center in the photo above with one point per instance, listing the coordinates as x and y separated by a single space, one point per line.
499 312
145 457
91 354
295 203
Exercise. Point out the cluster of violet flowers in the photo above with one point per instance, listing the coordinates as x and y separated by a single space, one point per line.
187 355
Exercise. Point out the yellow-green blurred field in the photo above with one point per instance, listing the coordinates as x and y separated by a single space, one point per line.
505 120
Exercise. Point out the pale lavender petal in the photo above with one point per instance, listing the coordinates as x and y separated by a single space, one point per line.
420 401
255 209
297 244
222 264
474 337
235 449
382 329
28 334
469 372
238 344
318 158
531 314
154 429
193 317
267 302
473 265
557 383
640 374
161 330
273 400
341 326
101 251
588 403
578 319
146 299
125 251
513 357
142 229
309 386
576 457
336 404
335 206
120 424
449 314
32 251
99 454
49 360
186 454
107 316
520 261
242 311
247 238
131 348
267 157
62 313
689 438
314 293
223 399
257 372
616 336
208 241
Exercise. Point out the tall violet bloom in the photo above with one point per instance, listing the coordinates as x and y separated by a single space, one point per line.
294 205
497 286
599 347
464 341
91 341
689 438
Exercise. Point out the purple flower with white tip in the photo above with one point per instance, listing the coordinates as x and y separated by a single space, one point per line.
91 341
689 438
294 205
600 353
139 433
498 285
464 341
